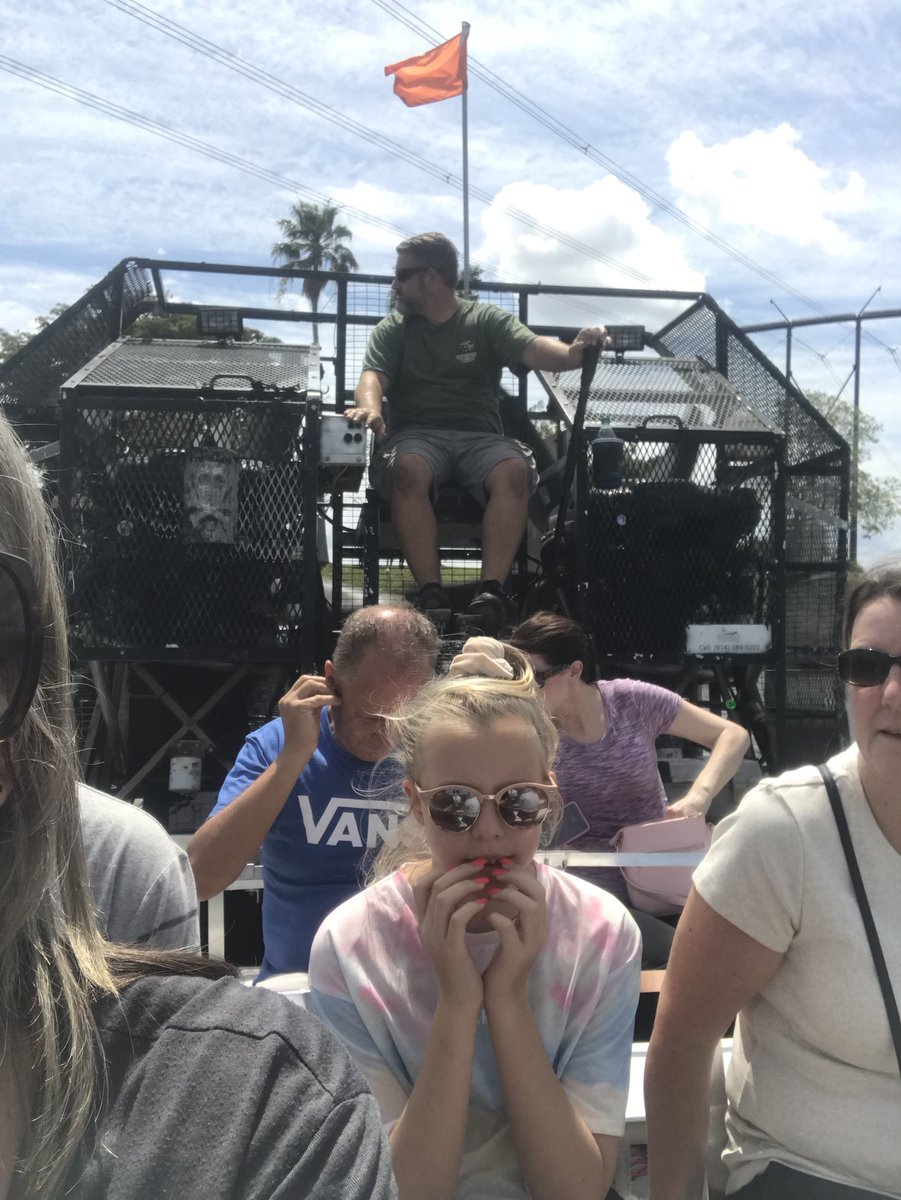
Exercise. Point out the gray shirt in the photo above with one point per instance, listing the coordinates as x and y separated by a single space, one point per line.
142 883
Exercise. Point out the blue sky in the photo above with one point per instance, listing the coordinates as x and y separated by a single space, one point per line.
776 125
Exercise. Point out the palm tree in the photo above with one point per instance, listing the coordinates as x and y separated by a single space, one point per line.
313 242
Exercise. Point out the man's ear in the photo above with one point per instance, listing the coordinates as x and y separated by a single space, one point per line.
415 803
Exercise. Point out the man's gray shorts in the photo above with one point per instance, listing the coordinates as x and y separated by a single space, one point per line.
466 459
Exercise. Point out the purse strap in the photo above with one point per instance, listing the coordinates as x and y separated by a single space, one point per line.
863 904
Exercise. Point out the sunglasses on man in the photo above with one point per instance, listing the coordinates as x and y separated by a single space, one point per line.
863 667
402 274
455 807
21 641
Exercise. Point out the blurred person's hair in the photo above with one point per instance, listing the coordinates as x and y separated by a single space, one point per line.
54 963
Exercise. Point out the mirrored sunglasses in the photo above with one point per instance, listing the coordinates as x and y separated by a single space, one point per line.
864 667
21 641
454 807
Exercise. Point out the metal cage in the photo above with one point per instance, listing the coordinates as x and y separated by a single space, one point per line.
191 505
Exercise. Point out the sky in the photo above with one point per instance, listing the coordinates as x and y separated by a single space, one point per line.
774 125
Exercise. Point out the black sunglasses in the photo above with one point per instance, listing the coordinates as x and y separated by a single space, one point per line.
454 807
541 677
864 667
21 641
402 274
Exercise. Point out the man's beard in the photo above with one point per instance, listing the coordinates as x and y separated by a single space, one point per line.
408 306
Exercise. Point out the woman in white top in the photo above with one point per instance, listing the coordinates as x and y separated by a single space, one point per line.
772 932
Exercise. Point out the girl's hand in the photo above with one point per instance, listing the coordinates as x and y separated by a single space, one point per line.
522 937
445 903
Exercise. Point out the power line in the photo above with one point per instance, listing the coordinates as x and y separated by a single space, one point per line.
528 106
148 125
225 58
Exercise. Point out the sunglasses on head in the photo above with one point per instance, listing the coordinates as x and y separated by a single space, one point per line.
402 274
542 676
454 807
21 641
864 667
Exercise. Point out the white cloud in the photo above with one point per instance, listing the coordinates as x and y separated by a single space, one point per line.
605 215
763 183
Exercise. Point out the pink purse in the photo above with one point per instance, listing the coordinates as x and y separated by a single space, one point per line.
661 891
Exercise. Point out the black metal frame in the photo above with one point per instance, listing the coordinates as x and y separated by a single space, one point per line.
812 474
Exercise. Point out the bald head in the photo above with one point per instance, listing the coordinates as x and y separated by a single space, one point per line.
399 633
385 653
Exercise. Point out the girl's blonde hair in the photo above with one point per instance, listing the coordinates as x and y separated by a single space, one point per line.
478 700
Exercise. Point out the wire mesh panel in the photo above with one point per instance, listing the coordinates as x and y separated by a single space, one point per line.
193 533
637 391
30 380
662 552
224 366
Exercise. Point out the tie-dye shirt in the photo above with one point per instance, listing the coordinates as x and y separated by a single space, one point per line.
372 982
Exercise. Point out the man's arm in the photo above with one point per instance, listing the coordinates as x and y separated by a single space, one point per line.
368 402
227 841
549 354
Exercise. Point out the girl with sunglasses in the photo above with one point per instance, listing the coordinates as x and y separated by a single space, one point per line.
774 933
488 999
115 1060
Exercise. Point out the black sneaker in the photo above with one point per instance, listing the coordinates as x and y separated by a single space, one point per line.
432 596
489 611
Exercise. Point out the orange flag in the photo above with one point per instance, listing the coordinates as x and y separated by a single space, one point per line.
438 74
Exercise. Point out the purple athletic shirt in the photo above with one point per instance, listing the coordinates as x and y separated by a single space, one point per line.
615 781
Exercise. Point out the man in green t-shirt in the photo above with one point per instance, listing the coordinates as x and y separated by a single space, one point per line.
438 360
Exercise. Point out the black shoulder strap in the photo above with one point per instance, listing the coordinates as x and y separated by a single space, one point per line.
863 904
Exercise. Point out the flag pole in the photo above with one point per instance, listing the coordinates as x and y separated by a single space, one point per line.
465 39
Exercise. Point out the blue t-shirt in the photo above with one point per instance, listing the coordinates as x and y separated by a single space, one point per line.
313 852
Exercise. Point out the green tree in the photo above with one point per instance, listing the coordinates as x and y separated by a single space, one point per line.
12 342
313 242
182 326
475 276
878 499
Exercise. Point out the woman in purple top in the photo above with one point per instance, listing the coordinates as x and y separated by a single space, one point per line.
607 758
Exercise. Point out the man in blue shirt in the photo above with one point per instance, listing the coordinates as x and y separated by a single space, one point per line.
299 785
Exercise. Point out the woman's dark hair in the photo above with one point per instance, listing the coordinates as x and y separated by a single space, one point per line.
558 640
883 579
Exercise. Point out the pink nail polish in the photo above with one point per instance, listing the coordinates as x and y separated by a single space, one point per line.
506 861
494 891
481 879
482 900
478 862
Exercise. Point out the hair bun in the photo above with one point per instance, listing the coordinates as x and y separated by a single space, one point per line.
482 656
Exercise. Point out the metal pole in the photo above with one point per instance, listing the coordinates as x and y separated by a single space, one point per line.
855 444
465 38
855 433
